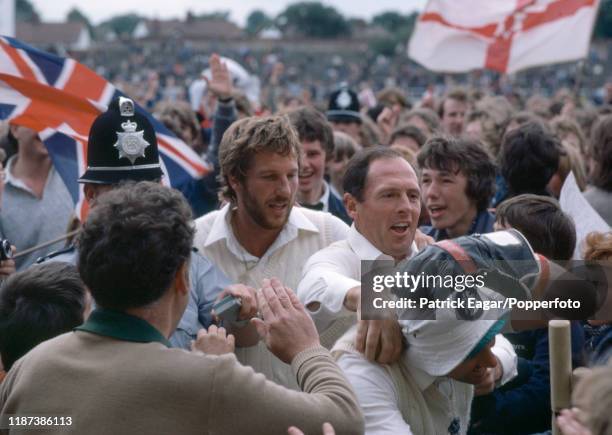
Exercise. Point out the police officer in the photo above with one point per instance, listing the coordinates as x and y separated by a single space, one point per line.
343 112
122 147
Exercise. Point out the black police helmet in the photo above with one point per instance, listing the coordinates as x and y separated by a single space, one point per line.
343 106
122 146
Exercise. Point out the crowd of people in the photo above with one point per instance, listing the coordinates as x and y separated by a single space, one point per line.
121 330
154 71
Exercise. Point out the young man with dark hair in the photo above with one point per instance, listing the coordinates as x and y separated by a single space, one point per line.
37 304
134 253
452 110
457 181
523 405
529 157
317 141
599 194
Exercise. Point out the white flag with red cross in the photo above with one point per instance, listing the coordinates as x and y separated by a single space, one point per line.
502 35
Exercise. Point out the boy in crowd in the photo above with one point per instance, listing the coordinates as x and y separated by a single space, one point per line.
457 182
317 140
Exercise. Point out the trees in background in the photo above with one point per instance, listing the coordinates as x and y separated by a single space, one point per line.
313 20
25 12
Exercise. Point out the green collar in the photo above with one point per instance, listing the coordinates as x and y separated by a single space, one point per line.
122 326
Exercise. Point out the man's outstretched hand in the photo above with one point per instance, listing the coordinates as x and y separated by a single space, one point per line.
285 327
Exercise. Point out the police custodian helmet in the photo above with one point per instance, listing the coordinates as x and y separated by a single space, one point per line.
122 146
343 106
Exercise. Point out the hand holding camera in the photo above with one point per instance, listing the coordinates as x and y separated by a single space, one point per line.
7 264
236 305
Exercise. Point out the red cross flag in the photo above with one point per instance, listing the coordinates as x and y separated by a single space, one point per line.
502 35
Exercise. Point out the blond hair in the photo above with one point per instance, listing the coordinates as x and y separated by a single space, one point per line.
598 246
246 138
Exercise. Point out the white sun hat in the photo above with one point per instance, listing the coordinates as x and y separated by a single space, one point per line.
438 346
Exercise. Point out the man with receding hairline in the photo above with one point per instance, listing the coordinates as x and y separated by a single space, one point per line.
382 196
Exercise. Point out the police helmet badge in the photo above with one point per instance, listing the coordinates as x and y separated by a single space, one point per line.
343 100
131 143
121 133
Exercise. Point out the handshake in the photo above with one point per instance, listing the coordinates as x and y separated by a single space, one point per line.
273 314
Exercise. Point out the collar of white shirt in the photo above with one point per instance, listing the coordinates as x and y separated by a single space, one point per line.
325 197
365 250
222 229
16 182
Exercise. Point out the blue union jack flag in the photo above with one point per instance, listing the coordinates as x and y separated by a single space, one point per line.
60 98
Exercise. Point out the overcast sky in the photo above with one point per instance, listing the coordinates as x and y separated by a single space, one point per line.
99 10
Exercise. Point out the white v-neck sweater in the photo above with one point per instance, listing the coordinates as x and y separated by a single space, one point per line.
285 263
